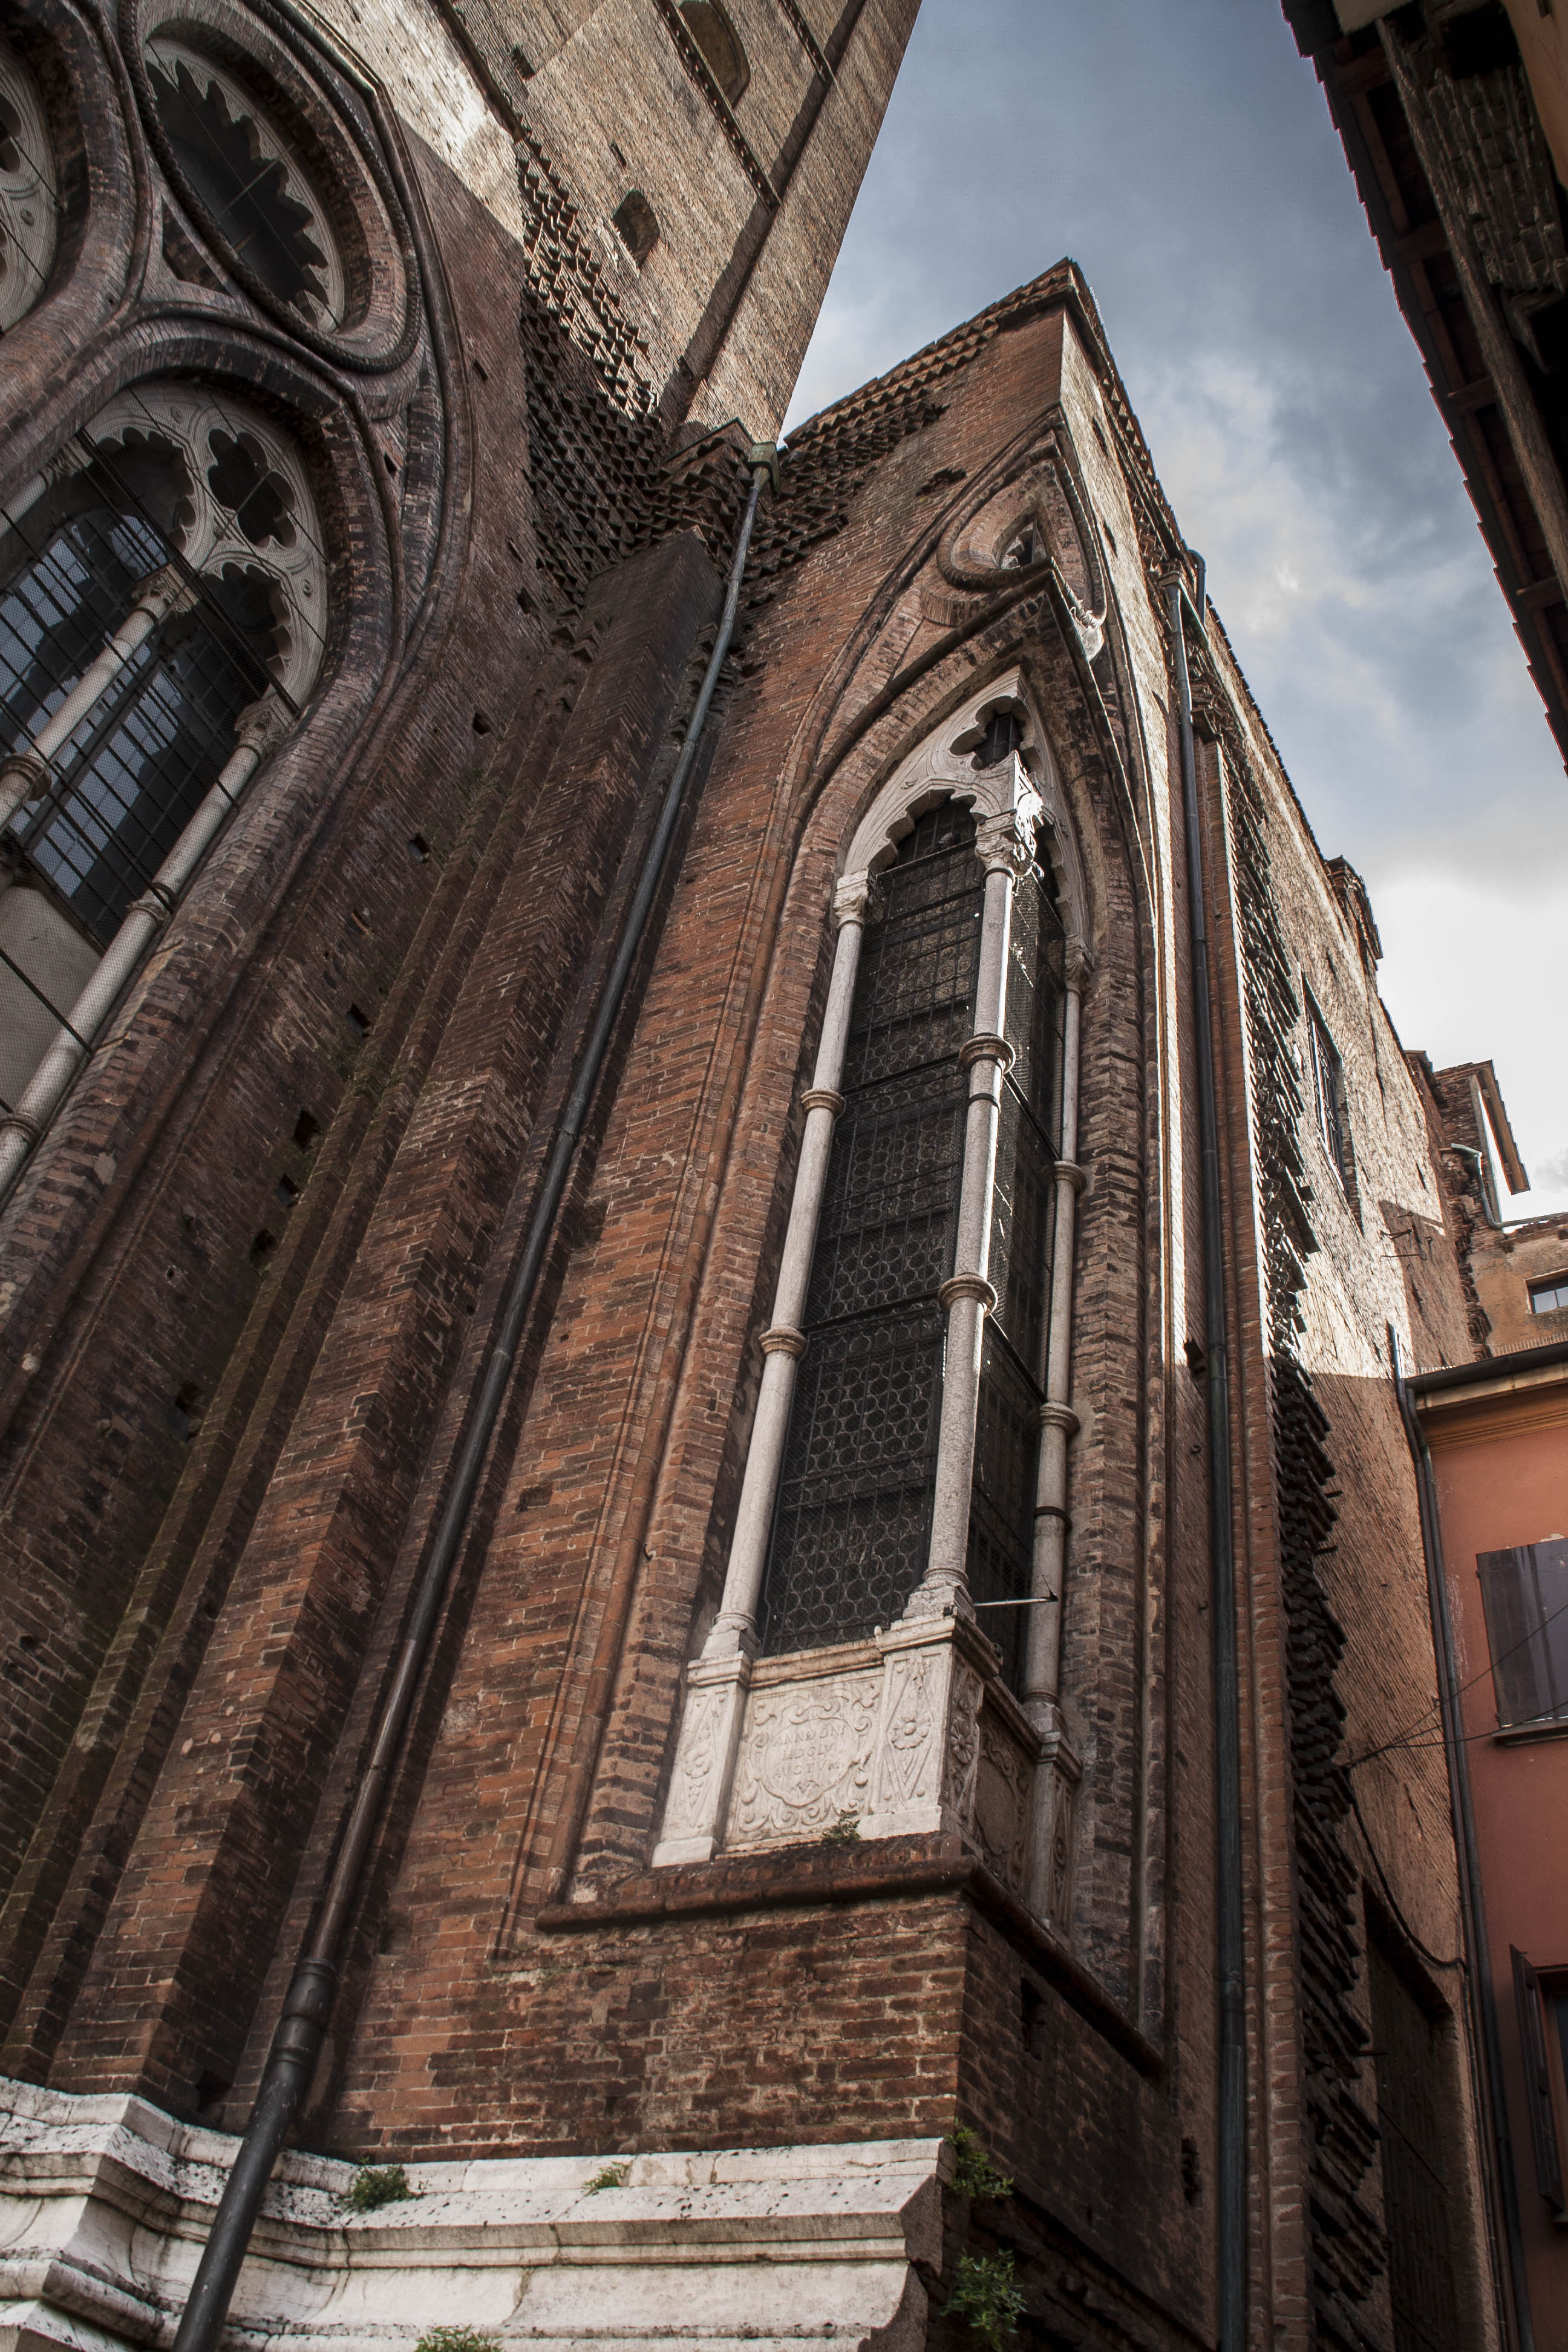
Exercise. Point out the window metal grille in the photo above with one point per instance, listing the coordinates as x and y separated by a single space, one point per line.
1012 1369
853 1519
1416 2127
854 1507
1328 1094
1524 1592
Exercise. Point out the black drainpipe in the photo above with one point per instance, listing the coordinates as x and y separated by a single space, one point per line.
295 2044
1483 1998
1229 1945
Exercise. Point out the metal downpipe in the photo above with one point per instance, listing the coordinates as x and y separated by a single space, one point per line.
1483 1997
297 2043
1229 1937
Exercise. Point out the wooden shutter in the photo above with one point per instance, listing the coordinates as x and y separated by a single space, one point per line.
1537 2077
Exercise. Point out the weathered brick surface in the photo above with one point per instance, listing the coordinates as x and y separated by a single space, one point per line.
210 1596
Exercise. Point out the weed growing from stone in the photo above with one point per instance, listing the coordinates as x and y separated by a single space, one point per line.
846 1831
377 2184
986 2296
458 2339
973 2174
613 2175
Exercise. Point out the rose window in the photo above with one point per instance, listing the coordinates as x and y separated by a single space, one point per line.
29 204
244 173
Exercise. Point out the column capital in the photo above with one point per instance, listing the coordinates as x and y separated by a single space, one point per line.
1052 1415
855 899
165 592
1005 843
262 725
1077 962
782 1340
822 1098
1067 1172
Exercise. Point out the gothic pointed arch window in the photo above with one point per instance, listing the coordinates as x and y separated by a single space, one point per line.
163 619
29 194
853 1519
902 1510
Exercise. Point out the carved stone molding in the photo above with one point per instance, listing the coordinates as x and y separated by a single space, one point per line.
909 1734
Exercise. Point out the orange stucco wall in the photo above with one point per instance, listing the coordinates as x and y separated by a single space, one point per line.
1501 1468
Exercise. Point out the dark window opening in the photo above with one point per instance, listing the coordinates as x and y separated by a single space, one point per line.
1547 1298
1328 1094
637 224
1416 2126
853 1517
1524 1592
1540 2004
719 44
245 191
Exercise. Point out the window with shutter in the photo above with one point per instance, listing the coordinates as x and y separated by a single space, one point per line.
1524 1592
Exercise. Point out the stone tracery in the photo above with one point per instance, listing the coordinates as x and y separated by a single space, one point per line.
29 200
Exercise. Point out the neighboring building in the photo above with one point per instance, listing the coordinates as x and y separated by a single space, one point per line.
902 1569
1454 115
1494 1441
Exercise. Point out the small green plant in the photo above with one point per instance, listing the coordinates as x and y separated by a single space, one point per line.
458 2339
609 2175
377 2184
973 2174
986 2296
846 1831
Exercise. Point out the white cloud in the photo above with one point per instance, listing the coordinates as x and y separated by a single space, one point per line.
1186 159
1467 978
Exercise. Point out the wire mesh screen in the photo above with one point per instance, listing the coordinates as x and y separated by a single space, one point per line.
1012 1370
122 787
853 1509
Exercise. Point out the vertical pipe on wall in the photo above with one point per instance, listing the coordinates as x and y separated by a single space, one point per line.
1058 1770
1230 1933
1059 1423
297 2043
1483 1998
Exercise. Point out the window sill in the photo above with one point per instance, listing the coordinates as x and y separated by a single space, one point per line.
1517 1734
880 1870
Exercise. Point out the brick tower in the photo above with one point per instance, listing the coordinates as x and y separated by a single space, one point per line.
881 1815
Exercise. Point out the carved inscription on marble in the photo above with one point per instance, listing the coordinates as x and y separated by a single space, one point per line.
805 1758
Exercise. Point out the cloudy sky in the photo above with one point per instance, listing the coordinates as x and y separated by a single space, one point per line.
1181 151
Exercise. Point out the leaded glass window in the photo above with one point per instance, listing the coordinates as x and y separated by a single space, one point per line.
134 771
852 1522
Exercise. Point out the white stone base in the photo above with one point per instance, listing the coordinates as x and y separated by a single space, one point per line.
104 2204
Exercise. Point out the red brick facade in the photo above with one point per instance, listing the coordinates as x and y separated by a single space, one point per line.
233 1410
